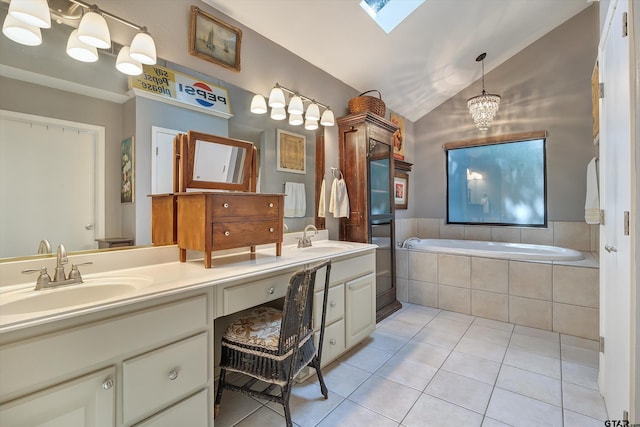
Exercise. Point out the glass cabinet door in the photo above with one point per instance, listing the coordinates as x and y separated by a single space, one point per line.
379 178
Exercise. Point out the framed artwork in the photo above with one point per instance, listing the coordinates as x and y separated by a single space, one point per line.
401 189
398 136
214 40
291 152
127 170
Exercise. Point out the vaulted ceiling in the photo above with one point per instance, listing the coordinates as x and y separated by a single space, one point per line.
427 59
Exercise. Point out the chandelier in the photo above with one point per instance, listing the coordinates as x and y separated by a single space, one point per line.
483 107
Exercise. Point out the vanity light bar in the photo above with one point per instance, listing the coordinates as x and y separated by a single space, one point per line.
110 15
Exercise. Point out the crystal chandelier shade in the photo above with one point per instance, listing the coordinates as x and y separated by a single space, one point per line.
483 107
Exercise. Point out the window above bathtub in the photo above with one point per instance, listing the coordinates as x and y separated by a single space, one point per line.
498 180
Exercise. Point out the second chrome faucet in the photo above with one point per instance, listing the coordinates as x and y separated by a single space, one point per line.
304 241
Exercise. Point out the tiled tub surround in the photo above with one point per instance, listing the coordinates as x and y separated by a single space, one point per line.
560 296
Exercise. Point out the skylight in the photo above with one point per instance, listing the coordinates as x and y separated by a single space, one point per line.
389 13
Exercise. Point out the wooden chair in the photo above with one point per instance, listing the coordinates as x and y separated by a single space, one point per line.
273 346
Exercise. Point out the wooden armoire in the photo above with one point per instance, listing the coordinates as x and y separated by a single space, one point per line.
366 162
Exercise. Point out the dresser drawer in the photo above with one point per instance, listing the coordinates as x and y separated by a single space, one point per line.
191 412
241 297
227 235
156 379
352 267
333 344
335 305
251 205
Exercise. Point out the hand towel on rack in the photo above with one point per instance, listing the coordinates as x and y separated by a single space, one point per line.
295 202
339 199
592 200
321 203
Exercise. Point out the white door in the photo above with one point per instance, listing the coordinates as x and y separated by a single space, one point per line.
162 160
51 184
615 174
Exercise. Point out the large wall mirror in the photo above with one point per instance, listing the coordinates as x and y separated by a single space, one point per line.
43 81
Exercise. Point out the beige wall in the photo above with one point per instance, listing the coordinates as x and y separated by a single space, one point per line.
546 86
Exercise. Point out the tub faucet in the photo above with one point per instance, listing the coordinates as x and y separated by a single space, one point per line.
305 241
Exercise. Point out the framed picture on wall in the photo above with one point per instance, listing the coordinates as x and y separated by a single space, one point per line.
214 40
401 189
398 136
127 170
291 152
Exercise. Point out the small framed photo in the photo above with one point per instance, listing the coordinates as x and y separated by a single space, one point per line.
291 152
398 137
401 189
127 170
214 40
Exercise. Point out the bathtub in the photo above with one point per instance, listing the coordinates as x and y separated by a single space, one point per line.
520 251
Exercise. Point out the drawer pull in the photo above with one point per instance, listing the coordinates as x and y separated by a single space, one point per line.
271 290
271 229
227 233
332 304
107 384
225 205
173 374
271 204
332 341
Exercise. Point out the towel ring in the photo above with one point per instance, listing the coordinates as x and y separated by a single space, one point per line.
333 172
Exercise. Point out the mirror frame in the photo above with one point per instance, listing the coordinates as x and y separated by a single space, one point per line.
187 160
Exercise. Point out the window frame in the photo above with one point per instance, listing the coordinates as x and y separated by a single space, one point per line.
496 140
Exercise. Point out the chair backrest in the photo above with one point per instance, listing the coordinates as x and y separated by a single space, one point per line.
297 313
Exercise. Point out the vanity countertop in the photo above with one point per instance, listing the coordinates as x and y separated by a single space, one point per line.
163 279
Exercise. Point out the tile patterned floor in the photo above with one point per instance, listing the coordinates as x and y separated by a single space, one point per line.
428 367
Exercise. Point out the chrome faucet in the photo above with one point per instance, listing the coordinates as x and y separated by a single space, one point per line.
59 278
61 260
304 241
44 247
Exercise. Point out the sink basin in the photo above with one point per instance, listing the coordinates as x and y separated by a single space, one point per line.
92 291
325 247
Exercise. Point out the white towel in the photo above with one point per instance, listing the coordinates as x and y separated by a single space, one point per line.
295 201
339 199
592 201
321 203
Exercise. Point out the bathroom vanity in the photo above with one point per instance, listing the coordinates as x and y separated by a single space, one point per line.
146 358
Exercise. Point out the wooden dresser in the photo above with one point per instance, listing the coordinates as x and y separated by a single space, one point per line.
215 221
231 214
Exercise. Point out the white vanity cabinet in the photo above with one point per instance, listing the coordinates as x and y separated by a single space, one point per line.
88 401
119 370
351 305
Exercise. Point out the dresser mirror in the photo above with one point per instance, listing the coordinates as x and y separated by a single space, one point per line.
43 81
217 163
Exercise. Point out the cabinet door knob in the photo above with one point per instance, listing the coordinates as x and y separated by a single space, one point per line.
225 205
271 229
173 374
271 290
271 204
227 233
332 341
107 384
332 304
